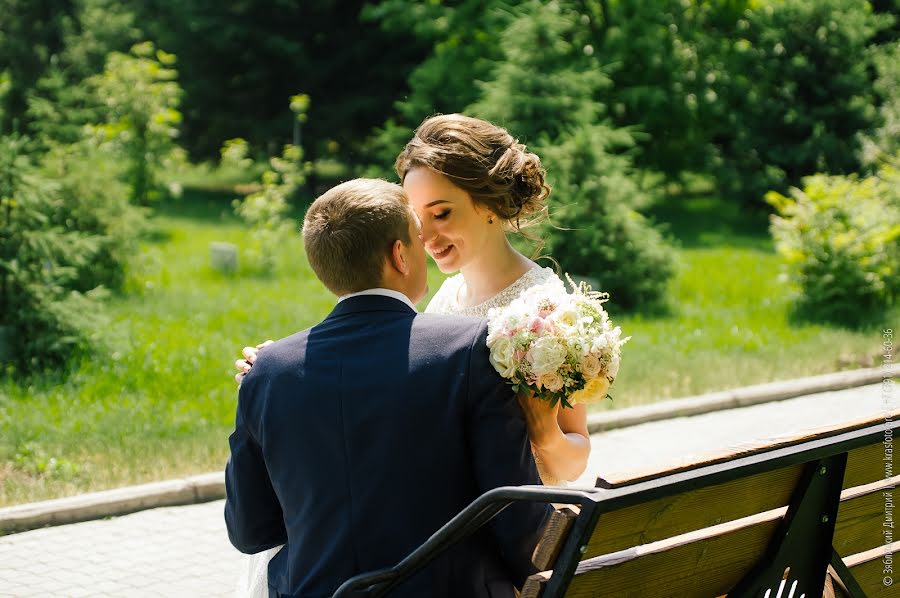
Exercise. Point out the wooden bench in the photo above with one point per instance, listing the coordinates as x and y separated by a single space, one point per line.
805 511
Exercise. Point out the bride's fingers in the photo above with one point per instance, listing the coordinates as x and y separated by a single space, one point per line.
249 354
265 344
239 377
242 366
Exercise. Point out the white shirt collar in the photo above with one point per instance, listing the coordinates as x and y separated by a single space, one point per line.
383 292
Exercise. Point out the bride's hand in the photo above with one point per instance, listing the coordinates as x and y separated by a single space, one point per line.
243 365
541 419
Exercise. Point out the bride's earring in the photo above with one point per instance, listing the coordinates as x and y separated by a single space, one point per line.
490 219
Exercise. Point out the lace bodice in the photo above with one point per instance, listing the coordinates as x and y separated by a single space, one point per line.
446 301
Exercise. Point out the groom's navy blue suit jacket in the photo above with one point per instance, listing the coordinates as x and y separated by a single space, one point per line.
357 439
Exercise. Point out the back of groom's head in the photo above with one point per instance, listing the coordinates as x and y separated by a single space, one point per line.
349 230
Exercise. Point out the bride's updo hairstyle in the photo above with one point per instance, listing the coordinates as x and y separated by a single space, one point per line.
484 160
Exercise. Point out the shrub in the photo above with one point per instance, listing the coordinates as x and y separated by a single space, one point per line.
92 199
141 96
41 260
840 237
266 210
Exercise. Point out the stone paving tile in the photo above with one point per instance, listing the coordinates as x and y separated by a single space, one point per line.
184 551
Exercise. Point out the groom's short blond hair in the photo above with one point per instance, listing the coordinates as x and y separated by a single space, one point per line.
350 230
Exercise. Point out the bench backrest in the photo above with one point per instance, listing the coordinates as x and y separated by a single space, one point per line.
720 527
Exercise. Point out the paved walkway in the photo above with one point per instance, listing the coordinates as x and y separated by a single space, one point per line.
184 551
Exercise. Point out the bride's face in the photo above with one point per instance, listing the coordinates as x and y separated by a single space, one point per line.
454 228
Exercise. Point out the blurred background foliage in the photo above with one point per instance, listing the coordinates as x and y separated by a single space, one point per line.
108 107
725 169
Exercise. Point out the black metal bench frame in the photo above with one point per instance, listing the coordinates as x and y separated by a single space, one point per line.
810 518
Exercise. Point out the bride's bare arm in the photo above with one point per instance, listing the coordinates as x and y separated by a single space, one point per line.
243 365
559 437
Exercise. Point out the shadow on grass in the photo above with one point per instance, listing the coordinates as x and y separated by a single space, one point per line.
706 221
850 318
200 204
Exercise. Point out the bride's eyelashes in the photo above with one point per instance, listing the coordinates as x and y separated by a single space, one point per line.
442 215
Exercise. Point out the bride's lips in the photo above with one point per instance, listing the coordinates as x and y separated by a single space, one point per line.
441 251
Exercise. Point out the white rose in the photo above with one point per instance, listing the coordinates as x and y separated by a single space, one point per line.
552 381
546 355
590 366
502 356
567 316
600 344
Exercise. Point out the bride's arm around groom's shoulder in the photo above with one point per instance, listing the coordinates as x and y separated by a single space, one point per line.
502 457
252 511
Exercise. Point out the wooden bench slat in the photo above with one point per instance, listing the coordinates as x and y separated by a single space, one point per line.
553 537
860 516
864 465
615 479
697 509
714 557
867 570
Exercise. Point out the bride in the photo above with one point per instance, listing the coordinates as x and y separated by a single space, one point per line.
471 184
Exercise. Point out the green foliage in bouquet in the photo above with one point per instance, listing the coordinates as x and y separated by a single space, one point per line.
840 236
544 91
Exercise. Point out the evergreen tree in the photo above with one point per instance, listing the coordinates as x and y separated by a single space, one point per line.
40 260
544 92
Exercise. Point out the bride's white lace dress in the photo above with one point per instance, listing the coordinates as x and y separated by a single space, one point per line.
254 578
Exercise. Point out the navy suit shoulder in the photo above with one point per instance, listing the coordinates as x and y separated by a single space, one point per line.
358 438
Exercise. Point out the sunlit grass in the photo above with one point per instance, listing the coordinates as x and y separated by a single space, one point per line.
158 401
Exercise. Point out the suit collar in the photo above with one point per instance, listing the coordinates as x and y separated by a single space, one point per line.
369 303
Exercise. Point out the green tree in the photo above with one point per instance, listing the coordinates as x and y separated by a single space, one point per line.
141 97
31 34
544 91
798 94
40 260
464 42
239 60
59 102
884 143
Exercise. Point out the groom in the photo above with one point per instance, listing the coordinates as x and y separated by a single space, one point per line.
357 439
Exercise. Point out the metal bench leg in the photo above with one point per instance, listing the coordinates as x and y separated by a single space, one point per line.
801 550
848 583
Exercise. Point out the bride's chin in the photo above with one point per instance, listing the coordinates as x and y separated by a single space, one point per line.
446 268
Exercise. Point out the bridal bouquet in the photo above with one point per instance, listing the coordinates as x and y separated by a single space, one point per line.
558 344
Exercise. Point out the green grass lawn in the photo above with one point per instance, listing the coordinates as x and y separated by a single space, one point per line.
158 400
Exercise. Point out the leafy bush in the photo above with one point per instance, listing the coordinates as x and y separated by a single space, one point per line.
266 210
840 236
141 96
91 198
41 260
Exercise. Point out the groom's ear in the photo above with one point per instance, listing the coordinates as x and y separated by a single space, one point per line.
398 257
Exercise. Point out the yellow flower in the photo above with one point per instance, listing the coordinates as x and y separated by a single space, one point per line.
594 390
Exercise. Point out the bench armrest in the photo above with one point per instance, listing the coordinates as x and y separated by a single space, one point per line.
482 510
